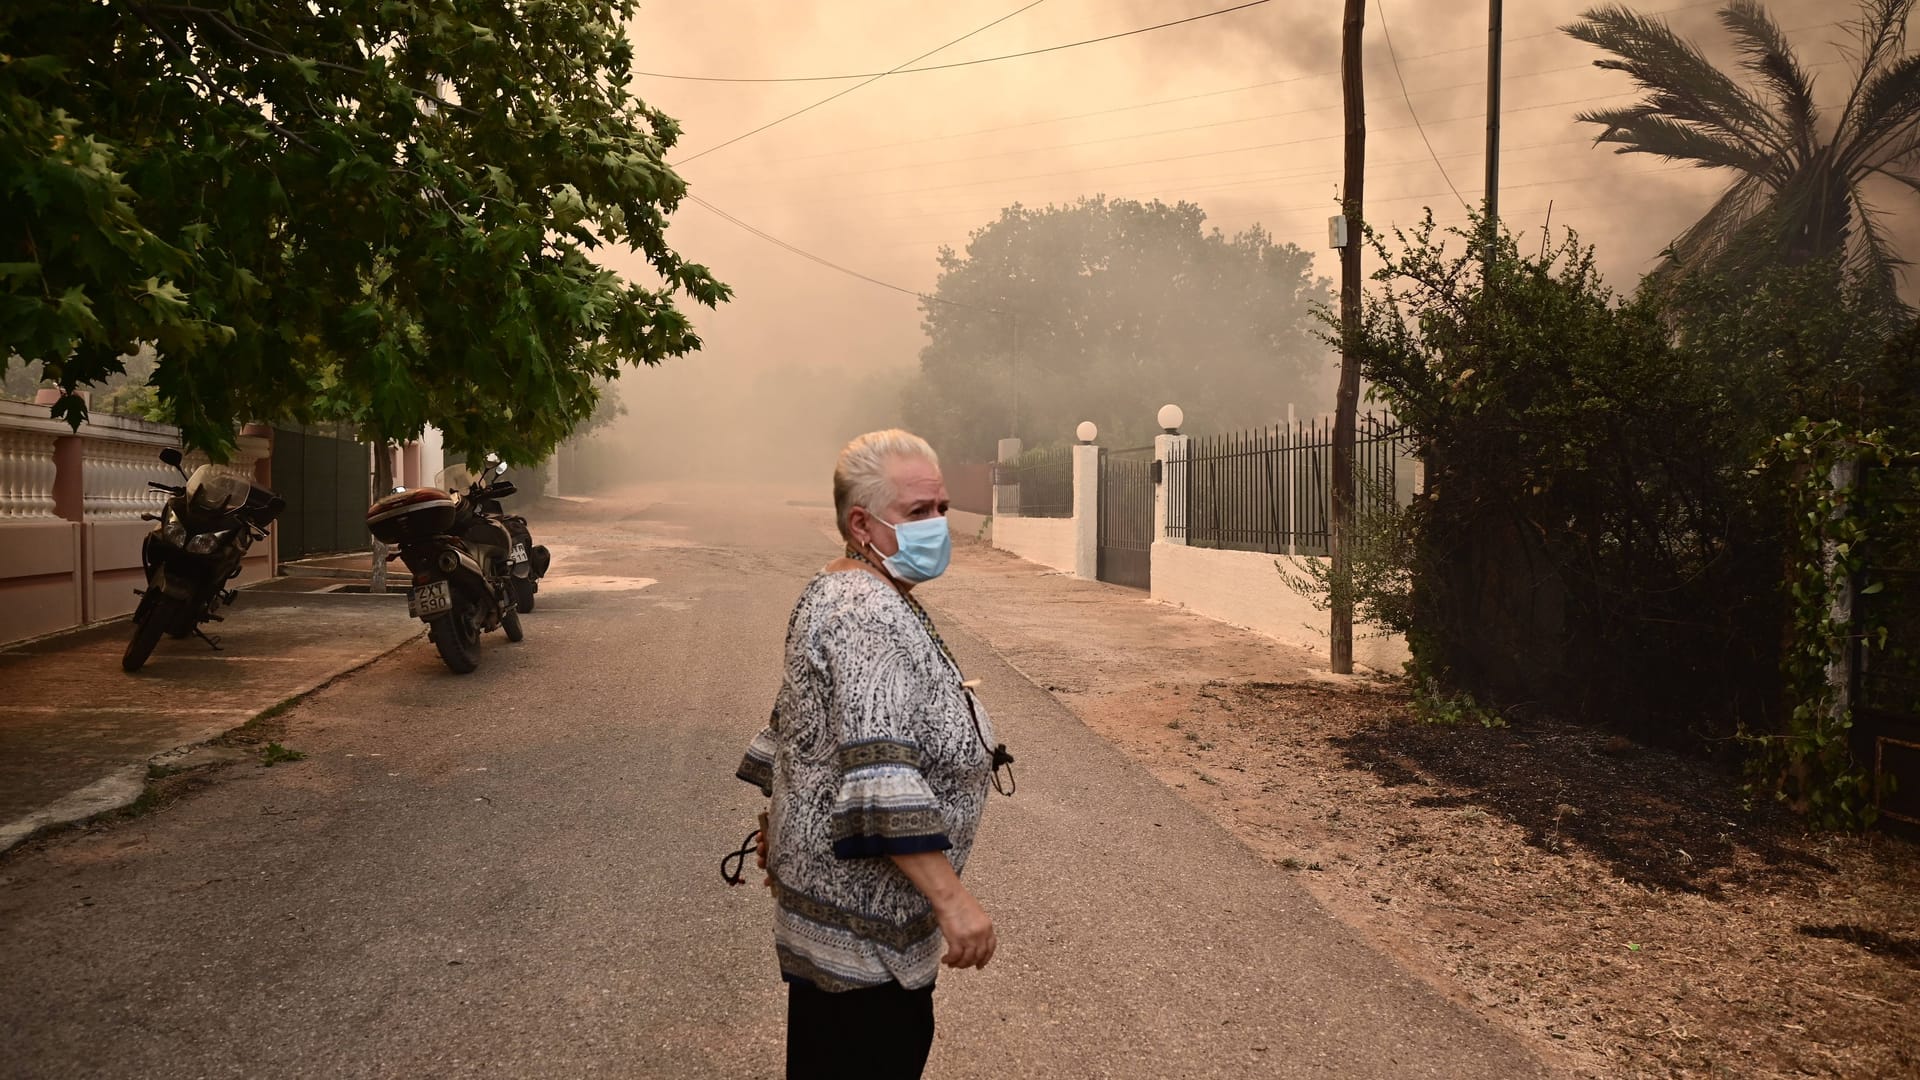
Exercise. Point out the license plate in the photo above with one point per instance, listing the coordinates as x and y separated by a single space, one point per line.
429 600
518 554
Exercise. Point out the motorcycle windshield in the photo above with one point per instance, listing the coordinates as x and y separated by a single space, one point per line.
455 478
212 490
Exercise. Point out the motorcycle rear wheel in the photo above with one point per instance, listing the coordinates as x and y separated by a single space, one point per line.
511 624
523 595
146 633
457 635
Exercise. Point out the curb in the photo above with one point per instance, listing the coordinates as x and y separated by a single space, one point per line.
126 784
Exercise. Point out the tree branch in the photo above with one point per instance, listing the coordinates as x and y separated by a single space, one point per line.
268 48
212 86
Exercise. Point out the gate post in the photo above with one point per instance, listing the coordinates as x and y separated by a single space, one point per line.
1841 482
1170 494
1006 497
1086 504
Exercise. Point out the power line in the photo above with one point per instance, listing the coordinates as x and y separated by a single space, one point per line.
1091 41
1054 119
858 85
831 265
1406 95
785 181
868 195
1188 157
956 63
1381 5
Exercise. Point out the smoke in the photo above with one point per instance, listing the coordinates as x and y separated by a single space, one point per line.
1240 114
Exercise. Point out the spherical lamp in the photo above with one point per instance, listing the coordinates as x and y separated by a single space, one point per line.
1087 431
1171 418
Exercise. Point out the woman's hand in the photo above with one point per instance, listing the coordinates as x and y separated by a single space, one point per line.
968 930
963 922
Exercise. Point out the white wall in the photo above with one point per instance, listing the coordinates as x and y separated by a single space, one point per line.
966 523
1047 541
432 454
1246 589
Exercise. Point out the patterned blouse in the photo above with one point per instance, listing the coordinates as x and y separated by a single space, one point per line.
870 752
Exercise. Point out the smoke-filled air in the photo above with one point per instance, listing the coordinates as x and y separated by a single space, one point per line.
1009 247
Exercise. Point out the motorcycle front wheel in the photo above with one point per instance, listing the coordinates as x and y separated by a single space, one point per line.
147 631
457 635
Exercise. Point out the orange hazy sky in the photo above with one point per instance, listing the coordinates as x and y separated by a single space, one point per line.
1238 113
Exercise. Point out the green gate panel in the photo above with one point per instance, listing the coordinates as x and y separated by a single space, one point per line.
325 481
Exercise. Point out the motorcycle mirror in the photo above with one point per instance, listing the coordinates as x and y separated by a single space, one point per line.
493 459
171 456
398 489
500 469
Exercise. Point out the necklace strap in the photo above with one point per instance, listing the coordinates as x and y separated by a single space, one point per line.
919 612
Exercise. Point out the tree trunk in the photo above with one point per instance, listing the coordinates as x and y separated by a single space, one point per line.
382 483
1346 404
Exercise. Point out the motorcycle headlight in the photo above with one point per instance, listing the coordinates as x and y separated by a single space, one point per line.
205 543
172 529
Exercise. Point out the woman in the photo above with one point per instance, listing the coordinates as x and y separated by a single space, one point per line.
877 760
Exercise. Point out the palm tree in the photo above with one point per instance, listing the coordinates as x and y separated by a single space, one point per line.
1797 193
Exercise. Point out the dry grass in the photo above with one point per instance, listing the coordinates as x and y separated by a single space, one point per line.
1620 906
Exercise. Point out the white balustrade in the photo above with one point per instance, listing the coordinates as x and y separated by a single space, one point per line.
26 476
113 479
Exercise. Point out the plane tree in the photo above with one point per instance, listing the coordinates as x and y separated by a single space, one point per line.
393 212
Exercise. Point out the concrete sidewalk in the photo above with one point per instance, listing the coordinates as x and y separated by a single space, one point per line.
77 734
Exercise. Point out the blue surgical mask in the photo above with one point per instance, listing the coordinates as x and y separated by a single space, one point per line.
925 549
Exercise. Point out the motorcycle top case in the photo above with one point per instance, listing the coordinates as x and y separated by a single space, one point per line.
412 515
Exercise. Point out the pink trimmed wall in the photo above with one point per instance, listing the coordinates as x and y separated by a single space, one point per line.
41 592
70 534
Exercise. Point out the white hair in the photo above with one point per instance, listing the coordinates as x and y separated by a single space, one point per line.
863 476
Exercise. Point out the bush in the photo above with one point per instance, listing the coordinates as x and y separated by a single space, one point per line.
1593 540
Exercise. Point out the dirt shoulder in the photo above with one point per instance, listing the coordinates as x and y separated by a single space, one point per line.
1619 907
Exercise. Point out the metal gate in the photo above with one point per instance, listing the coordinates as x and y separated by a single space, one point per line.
1126 517
326 480
1886 689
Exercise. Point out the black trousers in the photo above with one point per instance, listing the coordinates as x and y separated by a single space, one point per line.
879 1033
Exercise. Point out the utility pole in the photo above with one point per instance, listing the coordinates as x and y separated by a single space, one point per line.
1493 133
1347 403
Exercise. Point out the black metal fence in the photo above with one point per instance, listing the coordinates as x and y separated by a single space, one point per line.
1045 480
1125 543
1271 490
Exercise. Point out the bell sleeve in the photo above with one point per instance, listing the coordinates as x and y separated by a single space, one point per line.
883 804
756 767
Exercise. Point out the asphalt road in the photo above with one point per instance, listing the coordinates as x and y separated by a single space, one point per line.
515 873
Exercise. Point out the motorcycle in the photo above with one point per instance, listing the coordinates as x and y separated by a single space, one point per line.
461 563
199 538
528 559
